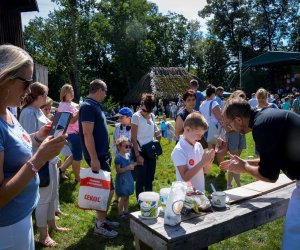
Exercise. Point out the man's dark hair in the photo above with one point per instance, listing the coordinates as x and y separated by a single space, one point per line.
95 85
236 107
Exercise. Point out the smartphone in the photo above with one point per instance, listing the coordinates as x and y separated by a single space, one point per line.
60 123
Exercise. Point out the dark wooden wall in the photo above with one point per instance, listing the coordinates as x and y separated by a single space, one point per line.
11 26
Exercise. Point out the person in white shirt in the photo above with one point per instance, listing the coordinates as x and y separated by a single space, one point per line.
188 156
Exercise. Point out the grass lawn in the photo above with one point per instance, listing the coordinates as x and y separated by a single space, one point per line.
81 222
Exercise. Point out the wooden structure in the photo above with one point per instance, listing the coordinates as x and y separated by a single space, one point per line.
10 20
167 83
199 231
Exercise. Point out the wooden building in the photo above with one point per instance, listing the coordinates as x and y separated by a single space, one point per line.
11 22
164 82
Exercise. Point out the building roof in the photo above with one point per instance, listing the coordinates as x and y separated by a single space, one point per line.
273 58
21 5
163 82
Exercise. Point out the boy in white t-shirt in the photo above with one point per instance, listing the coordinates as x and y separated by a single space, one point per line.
188 156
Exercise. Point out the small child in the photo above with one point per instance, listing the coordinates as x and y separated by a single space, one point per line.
163 128
124 179
170 132
188 156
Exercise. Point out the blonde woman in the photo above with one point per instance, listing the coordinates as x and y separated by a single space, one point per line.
67 104
262 99
18 166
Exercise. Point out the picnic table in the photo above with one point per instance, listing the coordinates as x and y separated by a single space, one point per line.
198 231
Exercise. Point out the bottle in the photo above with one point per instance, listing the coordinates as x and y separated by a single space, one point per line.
80 100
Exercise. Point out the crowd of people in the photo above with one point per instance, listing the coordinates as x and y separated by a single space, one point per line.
31 181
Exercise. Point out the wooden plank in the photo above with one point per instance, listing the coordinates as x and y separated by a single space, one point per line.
240 193
264 187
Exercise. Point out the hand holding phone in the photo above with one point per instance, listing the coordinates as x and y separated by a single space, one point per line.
60 123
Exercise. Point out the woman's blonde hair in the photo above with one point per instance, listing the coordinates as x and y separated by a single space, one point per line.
64 91
12 61
36 89
261 93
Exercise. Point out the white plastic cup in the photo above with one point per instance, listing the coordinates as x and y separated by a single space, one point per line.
149 204
219 199
164 194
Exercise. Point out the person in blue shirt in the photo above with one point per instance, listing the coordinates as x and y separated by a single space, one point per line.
219 95
95 142
199 96
124 179
19 182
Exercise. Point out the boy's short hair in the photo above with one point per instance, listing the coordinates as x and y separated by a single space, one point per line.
195 120
120 140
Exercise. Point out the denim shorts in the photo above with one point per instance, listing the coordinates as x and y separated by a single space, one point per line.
75 146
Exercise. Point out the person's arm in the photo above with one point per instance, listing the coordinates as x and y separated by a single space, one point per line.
178 127
134 130
14 185
218 113
239 166
187 174
129 167
75 117
87 128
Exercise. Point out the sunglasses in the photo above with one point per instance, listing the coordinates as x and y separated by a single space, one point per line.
27 82
126 146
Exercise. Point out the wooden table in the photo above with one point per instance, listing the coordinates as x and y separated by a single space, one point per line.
199 231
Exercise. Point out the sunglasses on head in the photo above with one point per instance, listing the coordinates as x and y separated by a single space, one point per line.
126 146
27 82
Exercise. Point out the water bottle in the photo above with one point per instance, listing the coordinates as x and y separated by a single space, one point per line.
80 100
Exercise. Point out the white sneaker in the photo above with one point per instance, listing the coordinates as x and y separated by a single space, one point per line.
111 223
105 231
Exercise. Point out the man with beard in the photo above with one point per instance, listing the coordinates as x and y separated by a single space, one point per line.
276 134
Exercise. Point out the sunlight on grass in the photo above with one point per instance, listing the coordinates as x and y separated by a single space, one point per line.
82 222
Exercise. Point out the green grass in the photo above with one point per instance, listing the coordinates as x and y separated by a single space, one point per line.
81 222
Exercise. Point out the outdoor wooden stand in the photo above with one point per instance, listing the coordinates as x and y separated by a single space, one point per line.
200 231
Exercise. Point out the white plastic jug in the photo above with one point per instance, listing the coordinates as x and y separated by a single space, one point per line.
175 201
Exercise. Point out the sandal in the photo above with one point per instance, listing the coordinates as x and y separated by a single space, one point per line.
115 203
48 242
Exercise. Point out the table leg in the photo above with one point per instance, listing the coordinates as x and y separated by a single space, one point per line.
140 245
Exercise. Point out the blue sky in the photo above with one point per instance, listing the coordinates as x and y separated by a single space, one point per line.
188 8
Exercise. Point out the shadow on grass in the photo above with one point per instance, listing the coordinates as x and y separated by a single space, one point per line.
66 191
95 241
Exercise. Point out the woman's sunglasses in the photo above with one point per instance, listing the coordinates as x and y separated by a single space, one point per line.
27 82
126 146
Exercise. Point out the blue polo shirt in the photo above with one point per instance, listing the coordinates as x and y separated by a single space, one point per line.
91 111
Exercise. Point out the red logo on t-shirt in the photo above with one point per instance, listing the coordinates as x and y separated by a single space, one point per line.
191 162
25 137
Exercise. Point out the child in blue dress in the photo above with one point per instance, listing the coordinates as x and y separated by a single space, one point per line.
124 179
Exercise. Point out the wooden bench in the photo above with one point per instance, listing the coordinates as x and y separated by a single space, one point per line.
200 231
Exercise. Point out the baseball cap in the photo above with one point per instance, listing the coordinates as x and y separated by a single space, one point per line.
125 111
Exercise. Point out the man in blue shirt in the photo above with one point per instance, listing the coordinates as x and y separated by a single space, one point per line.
219 95
199 96
95 143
